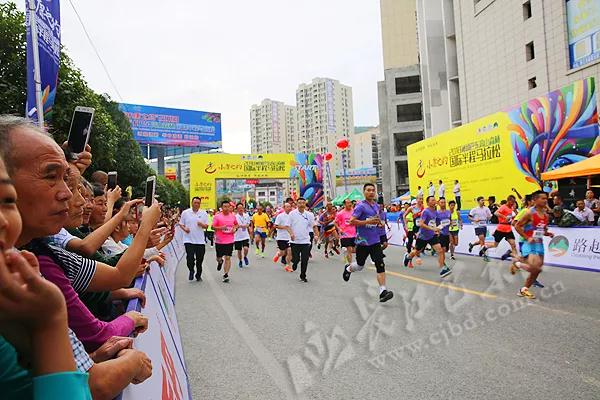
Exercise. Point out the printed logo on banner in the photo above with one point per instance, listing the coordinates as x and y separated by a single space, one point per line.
558 246
210 168
171 387
420 169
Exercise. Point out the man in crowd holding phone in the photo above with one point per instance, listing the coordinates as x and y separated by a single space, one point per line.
193 222
225 225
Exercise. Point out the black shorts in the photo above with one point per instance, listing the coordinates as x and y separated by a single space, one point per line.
480 230
376 253
224 249
498 236
383 239
454 233
422 243
348 242
283 244
445 241
240 244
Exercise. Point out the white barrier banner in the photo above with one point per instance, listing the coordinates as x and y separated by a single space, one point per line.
576 248
162 343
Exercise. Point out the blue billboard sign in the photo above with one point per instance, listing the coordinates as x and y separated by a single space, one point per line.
172 126
583 25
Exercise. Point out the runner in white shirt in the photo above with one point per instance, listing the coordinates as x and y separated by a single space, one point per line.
302 223
479 216
193 222
284 235
441 190
242 235
431 189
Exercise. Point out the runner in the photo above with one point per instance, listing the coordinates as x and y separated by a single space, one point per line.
527 203
533 226
260 223
210 233
456 225
366 219
225 226
504 231
408 221
302 223
348 232
479 216
329 235
429 233
242 235
444 220
284 235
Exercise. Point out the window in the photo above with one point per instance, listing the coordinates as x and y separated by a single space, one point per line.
532 83
402 140
529 51
408 84
526 10
409 112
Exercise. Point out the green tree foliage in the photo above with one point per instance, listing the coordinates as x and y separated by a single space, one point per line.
113 147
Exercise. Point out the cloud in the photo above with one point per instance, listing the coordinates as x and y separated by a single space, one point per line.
224 56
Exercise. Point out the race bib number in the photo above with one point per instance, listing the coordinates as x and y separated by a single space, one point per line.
228 229
432 224
481 223
538 234
418 221
445 222
259 229
453 223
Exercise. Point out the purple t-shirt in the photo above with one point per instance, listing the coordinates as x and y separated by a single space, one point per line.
429 218
366 235
443 218
383 216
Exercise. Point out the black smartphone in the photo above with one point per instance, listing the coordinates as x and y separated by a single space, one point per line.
150 190
81 127
112 180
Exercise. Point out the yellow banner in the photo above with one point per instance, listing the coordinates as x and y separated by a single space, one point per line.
205 169
478 154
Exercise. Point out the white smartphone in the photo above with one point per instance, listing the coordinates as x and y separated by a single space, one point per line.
81 127
150 190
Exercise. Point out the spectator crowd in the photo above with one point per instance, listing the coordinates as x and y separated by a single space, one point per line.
70 251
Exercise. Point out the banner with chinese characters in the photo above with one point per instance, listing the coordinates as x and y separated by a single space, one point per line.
508 151
47 18
575 248
306 169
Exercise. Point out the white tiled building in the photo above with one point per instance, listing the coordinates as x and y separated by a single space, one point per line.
273 127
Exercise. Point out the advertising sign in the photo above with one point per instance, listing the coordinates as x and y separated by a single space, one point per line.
205 169
172 126
583 25
47 18
508 151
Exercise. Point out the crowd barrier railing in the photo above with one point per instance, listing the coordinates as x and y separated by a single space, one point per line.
574 248
162 341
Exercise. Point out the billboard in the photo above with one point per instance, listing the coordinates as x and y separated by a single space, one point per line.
583 26
205 169
172 126
510 149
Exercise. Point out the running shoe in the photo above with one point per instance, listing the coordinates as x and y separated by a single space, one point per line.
283 260
303 280
225 278
482 251
191 276
198 278
433 253
513 268
452 257
336 251
506 255
294 267
486 258
219 265
385 296
276 258
262 255
331 253
346 274
538 284
445 272
240 264
288 269
471 245
246 260
524 292
406 260
410 264
257 251
319 245
326 255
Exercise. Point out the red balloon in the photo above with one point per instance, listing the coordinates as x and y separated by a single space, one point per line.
328 156
343 144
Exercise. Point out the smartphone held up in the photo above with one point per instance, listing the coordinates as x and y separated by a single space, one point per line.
81 127
150 191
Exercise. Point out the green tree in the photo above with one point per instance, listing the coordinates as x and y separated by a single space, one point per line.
13 82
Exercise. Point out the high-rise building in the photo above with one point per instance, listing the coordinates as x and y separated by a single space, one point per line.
399 94
325 115
291 128
272 126
363 153
540 46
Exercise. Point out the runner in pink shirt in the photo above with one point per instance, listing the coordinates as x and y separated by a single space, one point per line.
347 231
225 224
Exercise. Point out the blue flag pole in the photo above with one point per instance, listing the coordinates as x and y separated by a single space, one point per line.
36 63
